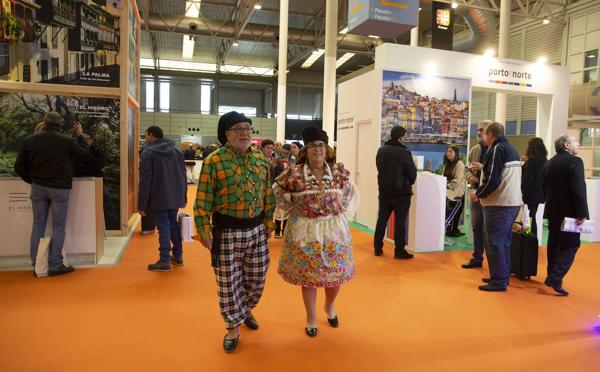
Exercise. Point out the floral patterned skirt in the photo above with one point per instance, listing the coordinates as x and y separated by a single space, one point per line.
317 252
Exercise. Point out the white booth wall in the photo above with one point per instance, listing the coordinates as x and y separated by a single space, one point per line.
360 103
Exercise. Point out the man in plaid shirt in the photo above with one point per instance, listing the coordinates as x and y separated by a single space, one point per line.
235 191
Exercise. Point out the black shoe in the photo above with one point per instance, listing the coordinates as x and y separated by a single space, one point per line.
491 288
472 264
453 234
177 260
378 252
311 332
251 322
334 322
159 266
62 270
558 289
486 280
230 344
402 255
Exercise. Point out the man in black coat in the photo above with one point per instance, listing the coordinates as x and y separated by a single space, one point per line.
565 191
396 173
46 162
163 190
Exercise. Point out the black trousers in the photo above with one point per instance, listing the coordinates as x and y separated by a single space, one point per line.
400 208
562 248
280 226
533 208
454 209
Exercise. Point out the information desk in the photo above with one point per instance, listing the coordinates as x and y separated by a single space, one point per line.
426 217
84 242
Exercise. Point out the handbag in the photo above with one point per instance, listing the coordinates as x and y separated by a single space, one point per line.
186 224
41 260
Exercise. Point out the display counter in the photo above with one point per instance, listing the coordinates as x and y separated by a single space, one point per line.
593 201
426 217
84 241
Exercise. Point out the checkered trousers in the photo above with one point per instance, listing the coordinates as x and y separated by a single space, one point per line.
241 271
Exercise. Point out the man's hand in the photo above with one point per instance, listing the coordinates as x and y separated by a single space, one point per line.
473 195
475 166
207 243
473 181
580 221
78 128
142 213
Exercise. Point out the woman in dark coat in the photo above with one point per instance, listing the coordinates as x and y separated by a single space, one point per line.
531 179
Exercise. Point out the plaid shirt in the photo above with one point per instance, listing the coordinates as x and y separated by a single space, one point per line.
235 185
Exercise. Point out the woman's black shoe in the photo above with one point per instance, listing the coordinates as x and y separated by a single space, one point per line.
334 322
311 332
230 344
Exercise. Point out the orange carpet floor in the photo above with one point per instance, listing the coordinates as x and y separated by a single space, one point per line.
420 315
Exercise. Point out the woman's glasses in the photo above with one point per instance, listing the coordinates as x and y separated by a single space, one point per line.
317 146
241 130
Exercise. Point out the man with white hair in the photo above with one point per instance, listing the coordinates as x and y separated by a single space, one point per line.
565 191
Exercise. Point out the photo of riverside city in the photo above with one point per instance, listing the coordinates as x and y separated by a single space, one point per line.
433 109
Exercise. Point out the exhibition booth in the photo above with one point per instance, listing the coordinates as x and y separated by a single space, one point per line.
429 91
92 79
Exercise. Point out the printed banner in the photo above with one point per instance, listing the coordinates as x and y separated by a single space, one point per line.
60 42
100 118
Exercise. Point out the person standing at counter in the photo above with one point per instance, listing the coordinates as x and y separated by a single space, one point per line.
396 173
500 195
234 220
454 170
564 186
46 162
473 176
531 181
94 166
163 190
190 156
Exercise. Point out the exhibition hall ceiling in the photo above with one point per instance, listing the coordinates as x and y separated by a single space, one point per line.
227 35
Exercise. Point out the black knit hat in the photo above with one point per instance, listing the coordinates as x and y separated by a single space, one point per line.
310 134
227 121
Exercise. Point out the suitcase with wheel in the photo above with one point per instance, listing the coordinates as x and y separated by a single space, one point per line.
523 254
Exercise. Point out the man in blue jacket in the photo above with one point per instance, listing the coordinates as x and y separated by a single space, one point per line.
163 190
500 196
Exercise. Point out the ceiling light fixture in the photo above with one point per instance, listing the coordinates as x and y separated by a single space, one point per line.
314 56
258 7
489 52
235 43
374 36
454 5
546 21
542 60
343 59
187 51
192 8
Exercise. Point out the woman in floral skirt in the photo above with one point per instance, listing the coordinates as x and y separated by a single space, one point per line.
317 248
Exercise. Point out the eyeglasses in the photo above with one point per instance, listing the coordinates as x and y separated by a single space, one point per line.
241 130
315 146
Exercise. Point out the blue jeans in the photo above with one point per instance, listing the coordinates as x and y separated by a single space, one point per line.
477 225
498 237
42 198
168 231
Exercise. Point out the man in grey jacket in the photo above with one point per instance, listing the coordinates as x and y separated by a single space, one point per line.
500 196
473 176
163 190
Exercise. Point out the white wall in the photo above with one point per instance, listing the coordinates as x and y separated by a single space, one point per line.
358 137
